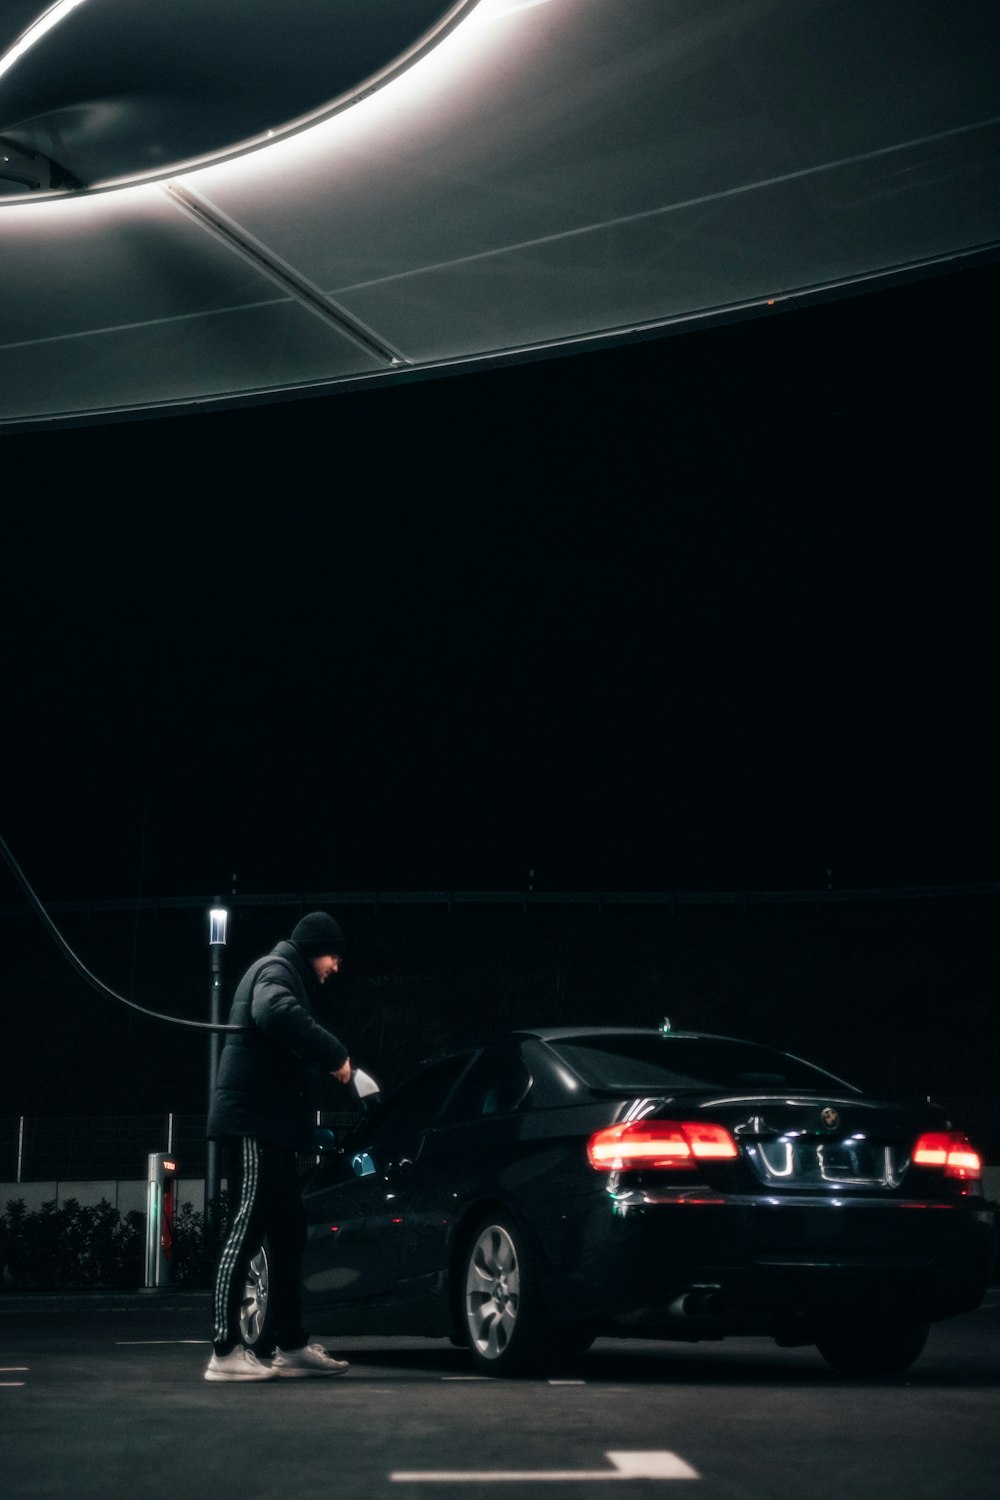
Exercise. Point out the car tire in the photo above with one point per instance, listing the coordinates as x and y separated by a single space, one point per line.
873 1348
502 1316
255 1309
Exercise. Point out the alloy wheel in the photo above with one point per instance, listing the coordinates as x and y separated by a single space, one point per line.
253 1308
492 1292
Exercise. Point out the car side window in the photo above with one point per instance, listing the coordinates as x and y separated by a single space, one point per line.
495 1084
416 1103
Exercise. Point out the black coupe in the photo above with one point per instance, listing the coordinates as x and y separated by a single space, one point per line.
524 1196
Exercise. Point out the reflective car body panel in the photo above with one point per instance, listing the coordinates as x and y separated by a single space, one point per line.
813 1208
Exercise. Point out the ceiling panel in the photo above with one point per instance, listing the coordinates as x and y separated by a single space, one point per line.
139 365
772 242
93 263
573 112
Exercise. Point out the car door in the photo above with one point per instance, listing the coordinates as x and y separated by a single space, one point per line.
463 1152
357 1202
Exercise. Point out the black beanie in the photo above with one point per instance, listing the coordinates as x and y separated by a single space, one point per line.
318 934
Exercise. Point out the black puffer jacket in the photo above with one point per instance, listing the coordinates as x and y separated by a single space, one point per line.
269 1075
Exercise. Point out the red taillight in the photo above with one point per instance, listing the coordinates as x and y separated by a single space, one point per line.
659 1143
949 1149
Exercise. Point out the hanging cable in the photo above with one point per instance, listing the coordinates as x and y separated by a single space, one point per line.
84 972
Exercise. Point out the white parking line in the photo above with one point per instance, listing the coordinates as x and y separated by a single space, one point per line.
10 1384
186 1307
567 1382
148 1343
661 1465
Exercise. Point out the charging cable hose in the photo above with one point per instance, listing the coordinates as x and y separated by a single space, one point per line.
81 968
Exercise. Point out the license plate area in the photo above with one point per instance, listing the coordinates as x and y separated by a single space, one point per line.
795 1160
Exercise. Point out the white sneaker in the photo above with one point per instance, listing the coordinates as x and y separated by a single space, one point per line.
312 1359
240 1364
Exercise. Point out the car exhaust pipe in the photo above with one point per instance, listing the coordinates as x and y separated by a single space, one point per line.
697 1302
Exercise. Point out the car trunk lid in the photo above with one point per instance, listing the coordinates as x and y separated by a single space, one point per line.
825 1143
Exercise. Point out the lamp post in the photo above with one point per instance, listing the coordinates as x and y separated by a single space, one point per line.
217 919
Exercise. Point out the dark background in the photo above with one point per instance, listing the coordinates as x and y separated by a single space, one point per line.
710 613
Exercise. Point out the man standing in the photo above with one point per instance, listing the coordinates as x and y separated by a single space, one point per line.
264 1110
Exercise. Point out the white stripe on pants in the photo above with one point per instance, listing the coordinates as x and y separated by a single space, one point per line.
232 1262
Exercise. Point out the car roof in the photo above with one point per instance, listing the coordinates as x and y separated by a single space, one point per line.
564 1033
582 1033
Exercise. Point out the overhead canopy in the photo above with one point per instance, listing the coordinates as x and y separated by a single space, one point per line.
505 177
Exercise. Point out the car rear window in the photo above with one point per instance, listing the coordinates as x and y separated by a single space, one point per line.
686 1062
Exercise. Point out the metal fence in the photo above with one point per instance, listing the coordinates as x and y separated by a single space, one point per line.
97 1148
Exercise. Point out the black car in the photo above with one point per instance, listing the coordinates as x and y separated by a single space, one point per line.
524 1196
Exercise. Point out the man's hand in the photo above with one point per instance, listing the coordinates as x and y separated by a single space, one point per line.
342 1075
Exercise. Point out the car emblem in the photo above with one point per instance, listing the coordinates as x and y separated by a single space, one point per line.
830 1118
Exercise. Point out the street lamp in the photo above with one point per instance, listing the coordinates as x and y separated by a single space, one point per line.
217 919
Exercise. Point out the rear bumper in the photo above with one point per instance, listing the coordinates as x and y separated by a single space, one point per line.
740 1264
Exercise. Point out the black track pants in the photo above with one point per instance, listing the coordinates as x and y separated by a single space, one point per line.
266 1199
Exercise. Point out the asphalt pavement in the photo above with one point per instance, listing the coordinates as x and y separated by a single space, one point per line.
104 1396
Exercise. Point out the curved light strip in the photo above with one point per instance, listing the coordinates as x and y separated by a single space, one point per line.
449 23
36 31
464 52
